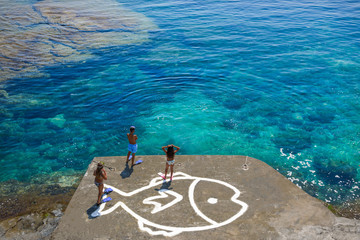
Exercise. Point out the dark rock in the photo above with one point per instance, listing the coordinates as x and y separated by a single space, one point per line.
235 103
322 115
334 175
293 140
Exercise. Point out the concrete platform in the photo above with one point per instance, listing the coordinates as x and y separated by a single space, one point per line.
210 197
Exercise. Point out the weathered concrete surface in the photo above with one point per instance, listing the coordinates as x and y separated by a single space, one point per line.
277 209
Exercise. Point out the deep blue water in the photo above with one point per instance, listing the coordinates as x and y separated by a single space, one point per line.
274 80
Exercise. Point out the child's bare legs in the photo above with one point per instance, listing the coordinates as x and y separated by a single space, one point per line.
172 171
132 159
166 169
128 155
101 187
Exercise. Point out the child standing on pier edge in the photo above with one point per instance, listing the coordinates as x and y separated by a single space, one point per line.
100 176
170 161
132 147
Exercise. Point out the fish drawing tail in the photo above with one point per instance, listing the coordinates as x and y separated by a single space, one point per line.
144 224
111 209
152 183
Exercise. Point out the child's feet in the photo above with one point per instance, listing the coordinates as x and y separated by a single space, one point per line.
171 179
163 177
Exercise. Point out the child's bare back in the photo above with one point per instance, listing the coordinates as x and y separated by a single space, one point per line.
132 138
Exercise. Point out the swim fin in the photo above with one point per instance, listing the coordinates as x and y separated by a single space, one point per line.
95 214
106 200
108 190
138 162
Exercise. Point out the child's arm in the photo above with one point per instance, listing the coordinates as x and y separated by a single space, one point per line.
163 148
177 148
135 137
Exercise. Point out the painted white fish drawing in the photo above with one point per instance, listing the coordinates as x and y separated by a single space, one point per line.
154 228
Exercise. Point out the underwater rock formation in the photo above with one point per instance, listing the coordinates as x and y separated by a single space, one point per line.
54 32
58 120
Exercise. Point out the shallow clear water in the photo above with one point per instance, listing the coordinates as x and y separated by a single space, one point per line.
274 80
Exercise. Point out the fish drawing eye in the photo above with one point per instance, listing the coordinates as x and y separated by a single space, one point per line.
153 227
212 200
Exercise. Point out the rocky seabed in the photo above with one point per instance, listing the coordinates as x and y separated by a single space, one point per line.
53 32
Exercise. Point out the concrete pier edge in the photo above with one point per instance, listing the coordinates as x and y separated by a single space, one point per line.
275 207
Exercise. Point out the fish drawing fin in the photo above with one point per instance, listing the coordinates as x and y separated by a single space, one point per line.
102 210
158 207
179 175
153 230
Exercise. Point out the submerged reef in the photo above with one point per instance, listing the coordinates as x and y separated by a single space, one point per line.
54 32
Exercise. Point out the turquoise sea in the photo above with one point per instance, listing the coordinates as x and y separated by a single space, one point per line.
275 80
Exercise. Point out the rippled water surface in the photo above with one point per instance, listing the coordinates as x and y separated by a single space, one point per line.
274 80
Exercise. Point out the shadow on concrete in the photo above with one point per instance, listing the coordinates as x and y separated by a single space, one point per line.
164 187
91 212
127 171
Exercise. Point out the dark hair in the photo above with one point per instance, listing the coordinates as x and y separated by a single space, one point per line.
170 152
100 166
132 128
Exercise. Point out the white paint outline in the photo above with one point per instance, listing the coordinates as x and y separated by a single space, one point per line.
169 231
212 200
158 207
193 204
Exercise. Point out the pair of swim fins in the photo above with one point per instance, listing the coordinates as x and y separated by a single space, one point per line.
107 191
